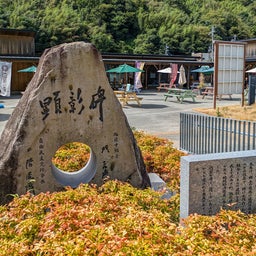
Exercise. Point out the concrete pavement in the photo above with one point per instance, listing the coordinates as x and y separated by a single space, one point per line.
155 116
162 118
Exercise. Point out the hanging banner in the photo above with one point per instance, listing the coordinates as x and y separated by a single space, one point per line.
137 80
5 78
174 68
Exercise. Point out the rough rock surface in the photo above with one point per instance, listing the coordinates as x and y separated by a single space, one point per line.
68 100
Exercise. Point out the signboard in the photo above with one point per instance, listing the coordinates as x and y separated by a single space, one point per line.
229 67
252 88
5 78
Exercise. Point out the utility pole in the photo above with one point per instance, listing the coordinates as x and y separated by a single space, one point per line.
167 50
212 35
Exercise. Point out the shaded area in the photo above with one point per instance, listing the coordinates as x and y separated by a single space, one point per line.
146 106
4 117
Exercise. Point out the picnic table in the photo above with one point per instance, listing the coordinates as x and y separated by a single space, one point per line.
163 86
125 96
209 91
180 94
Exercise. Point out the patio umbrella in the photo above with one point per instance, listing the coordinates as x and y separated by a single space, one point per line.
124 68
251 70
165 70
201 69
208 71
182 77
171 71
31 69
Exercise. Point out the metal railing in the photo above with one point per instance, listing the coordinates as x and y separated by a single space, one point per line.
201 134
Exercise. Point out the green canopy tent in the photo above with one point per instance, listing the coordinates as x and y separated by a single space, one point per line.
124 68
204 70
201 69
31 69
208 71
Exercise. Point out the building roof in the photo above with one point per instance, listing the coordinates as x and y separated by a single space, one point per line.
153 58
17 32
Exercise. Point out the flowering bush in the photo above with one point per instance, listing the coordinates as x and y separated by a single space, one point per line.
118 219
160 157
114 219
71 157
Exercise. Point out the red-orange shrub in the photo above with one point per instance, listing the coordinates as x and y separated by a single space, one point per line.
160 157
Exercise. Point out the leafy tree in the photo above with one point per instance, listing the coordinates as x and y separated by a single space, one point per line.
132 26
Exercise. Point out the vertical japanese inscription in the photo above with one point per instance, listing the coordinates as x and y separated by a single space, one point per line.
210 190
105 172
75 100
250 185
116 144
98 98
231 184
203 182
29 177
45 104
224 186
41 161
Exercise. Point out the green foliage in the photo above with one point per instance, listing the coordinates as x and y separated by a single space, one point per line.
110 220
118 219
218 113
132 26
160 157
71 157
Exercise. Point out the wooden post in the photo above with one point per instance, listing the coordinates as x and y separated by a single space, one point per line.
215 80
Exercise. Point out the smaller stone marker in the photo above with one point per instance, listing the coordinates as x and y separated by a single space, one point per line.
158 184
212 182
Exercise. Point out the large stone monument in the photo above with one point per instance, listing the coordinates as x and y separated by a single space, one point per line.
68 100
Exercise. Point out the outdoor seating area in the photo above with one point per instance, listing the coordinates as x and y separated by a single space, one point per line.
126 96
180 94
209 91
163 86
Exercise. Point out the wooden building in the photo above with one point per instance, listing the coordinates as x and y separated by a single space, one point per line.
152 63
250 53
18 47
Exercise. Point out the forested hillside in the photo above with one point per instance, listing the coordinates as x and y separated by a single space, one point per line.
132 26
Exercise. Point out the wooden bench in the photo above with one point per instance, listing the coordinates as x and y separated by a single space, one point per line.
132 96
209 91
124 97
163 86
180 94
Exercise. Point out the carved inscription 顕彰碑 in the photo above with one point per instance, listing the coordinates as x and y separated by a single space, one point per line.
75 102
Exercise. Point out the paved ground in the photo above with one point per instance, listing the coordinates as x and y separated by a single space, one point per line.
162 118
155 116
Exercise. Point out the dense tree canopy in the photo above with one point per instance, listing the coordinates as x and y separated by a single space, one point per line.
132 26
